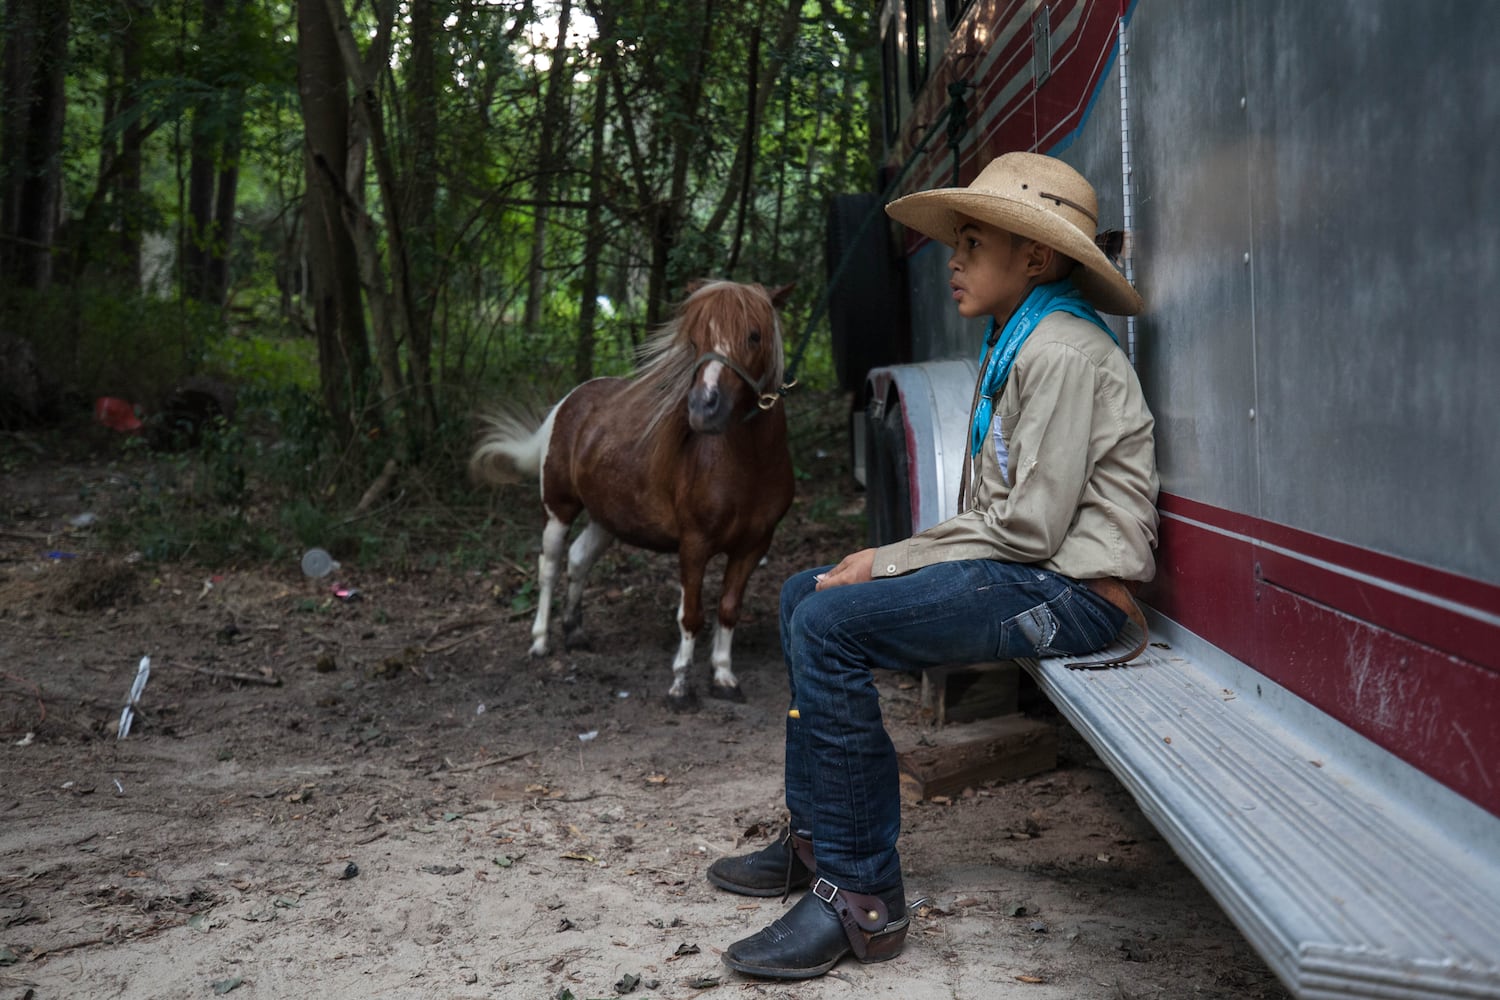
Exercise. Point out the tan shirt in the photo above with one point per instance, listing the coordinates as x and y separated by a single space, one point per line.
1078 496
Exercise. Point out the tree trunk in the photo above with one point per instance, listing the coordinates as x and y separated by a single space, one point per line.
593 229
421 201
338 316
390 304
665 216
197 239
761 84
226 198
127 186
554 124
34 103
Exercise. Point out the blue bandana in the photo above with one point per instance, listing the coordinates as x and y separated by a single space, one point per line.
1059 296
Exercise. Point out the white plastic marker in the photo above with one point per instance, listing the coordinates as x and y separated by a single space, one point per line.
142 673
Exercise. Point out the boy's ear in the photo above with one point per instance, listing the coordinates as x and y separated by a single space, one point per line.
1039 258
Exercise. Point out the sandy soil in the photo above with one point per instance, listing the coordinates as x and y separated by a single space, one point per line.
383 796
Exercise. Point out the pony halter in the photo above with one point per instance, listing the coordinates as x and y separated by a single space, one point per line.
765 400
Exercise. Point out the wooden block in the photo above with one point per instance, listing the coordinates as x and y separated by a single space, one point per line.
971 691
962 756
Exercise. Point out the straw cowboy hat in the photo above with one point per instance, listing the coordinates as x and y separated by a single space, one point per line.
1035 196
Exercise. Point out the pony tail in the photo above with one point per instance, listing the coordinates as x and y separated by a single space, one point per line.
510 447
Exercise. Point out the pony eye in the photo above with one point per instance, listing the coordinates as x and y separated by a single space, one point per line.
754 337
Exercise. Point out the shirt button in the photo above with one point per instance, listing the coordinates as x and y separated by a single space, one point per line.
891 569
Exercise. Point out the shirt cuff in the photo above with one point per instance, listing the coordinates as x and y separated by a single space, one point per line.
891 560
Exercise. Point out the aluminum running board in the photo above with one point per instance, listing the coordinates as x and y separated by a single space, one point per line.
1351 873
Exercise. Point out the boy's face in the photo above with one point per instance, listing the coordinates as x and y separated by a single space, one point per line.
990 271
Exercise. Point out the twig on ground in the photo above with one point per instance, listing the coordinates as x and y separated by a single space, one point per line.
428 650
476 765
487 621
235 675
380 487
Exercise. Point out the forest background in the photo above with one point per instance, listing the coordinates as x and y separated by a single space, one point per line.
347 225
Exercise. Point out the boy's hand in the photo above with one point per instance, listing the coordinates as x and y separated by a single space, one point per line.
854 568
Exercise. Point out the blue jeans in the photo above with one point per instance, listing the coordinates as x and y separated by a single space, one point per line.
842 785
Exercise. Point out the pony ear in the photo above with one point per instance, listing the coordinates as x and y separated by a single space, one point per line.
780 296
694 284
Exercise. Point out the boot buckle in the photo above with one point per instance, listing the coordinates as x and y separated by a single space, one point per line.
818 890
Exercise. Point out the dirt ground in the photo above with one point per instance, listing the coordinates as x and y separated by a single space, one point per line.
381 795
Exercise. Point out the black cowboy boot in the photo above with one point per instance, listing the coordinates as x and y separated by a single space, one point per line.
774 870
825 925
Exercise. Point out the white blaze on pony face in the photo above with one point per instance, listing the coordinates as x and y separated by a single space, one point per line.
709 375
709 405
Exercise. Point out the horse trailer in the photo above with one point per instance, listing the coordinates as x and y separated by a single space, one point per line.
1309 197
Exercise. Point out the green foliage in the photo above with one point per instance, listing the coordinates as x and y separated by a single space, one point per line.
265 362
110 341
669 187
178 511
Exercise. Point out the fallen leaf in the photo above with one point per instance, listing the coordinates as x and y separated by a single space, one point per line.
575 856
222 986
1031 979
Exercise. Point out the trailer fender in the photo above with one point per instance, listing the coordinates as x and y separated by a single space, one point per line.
915 427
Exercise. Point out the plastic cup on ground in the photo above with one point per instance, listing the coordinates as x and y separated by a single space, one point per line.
317 563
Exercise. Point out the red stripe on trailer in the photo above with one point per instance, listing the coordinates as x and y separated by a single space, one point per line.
1404 654
1081 63
1031 118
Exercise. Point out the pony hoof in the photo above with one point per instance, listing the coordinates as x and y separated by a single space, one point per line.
537 652
577 640
683 702
727 692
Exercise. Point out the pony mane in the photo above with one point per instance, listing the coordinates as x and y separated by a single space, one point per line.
667 361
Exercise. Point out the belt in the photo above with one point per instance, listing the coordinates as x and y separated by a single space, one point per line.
1117 592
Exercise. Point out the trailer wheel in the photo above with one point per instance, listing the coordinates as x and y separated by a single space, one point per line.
887 488
866 311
